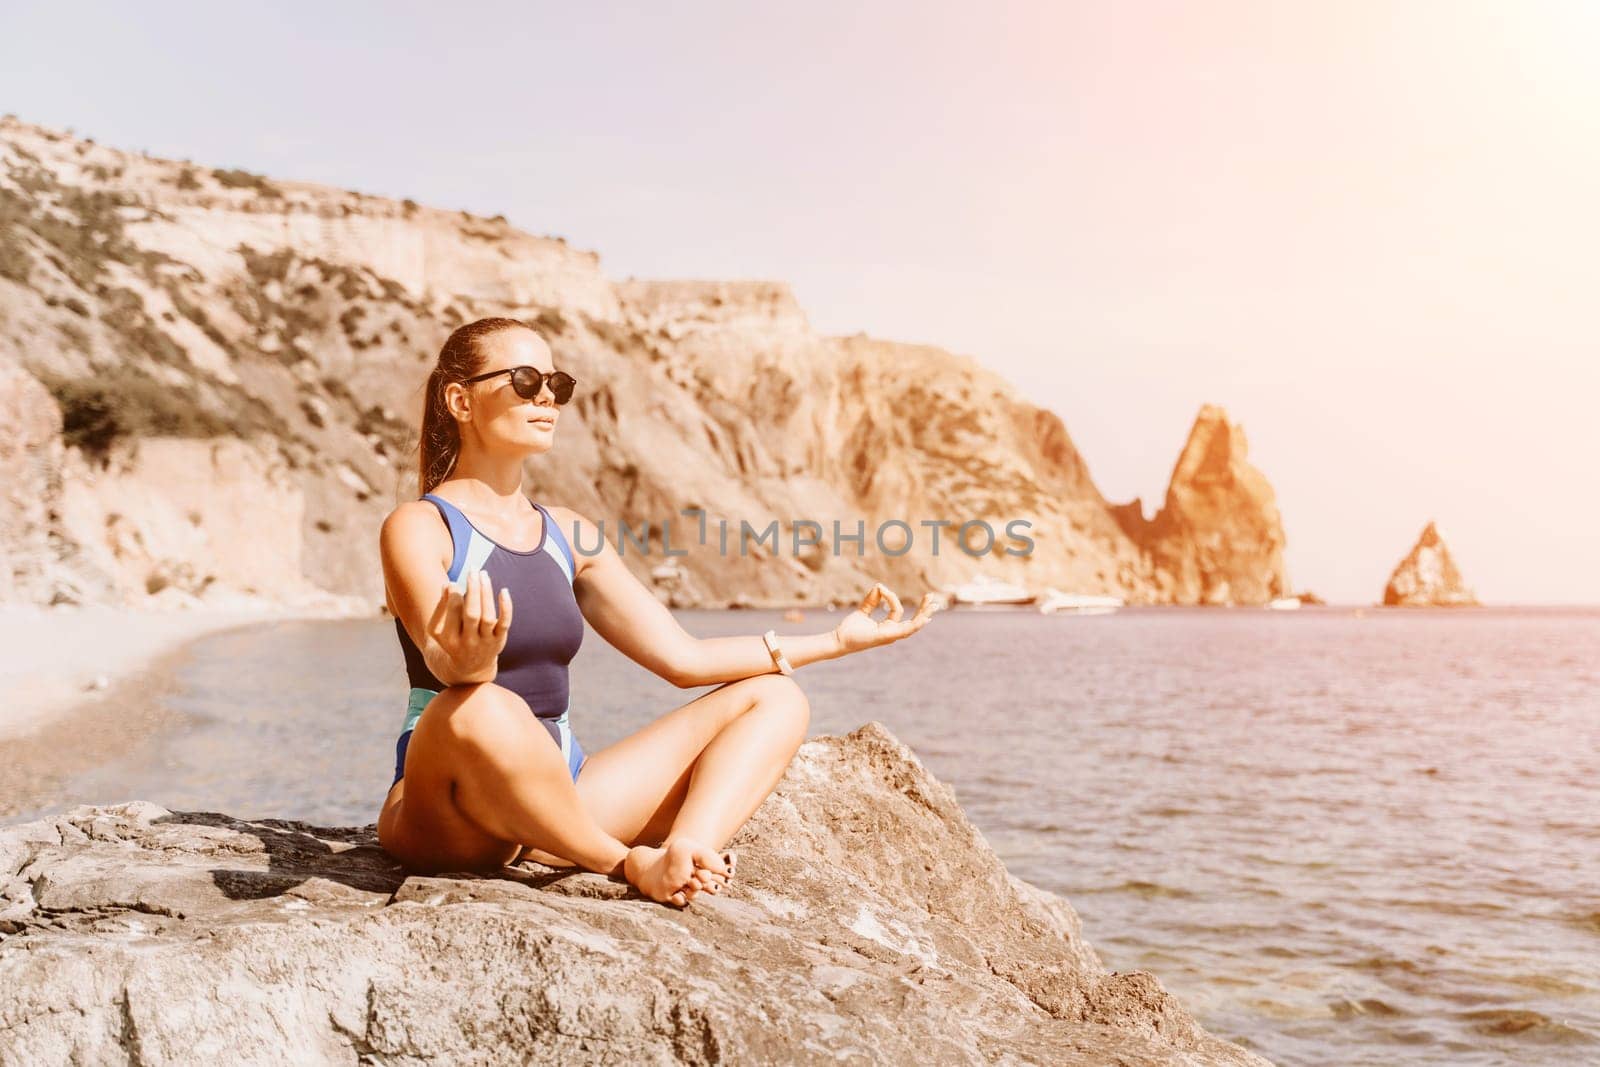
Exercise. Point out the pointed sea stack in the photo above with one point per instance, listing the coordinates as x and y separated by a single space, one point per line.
1428 577
1218 538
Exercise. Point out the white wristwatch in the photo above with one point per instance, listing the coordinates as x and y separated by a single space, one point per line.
771 638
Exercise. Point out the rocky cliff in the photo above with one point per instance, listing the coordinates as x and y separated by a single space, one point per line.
1218 538
235 364
1428 577
870 922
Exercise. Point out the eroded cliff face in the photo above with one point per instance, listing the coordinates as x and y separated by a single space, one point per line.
152 300
1428 576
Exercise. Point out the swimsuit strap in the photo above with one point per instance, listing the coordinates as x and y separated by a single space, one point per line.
563 555
460 531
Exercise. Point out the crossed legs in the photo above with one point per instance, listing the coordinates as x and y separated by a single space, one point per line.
485 785
700 770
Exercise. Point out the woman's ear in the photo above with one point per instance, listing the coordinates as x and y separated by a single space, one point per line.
457 402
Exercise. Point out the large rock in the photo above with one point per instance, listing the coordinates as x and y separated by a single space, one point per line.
870 922
1218 539
1428 577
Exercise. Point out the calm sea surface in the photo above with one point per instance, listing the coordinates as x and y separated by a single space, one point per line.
1338 838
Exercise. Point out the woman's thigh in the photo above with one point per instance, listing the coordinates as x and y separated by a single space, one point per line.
635 786
420 824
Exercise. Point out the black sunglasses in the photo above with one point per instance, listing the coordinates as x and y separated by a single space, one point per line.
527 381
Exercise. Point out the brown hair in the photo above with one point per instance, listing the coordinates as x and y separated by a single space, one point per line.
461 357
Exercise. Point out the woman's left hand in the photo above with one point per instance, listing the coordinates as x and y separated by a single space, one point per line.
859 630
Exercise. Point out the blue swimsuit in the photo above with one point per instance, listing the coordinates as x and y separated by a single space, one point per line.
546 628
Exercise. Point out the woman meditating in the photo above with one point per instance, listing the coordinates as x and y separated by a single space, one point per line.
490 601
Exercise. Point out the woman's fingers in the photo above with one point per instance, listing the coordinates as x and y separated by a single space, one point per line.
441 609
472 608
869 601
450 628
906 627
490 616
894 603
503 626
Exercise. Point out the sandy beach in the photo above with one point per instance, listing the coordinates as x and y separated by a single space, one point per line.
84 684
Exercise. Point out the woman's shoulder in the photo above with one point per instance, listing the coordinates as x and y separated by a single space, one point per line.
413 519
571 521
565 515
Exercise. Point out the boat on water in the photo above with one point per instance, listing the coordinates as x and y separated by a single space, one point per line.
1284 603
1055 602
984 591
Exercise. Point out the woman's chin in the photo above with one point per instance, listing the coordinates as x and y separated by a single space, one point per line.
543 443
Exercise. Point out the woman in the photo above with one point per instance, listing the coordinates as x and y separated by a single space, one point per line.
489 603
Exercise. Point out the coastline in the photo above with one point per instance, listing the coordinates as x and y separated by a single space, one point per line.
84 685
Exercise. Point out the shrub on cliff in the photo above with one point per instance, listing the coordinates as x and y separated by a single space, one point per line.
243 179
97 410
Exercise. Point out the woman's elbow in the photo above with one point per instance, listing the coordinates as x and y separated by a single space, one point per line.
680 665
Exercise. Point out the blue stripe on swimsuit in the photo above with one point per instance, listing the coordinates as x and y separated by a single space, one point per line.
546 628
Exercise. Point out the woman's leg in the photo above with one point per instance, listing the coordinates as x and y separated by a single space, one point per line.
700 770
482 778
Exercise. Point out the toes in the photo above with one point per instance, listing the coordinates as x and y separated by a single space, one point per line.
708 880
711 861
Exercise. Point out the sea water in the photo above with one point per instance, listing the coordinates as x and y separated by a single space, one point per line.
1338 836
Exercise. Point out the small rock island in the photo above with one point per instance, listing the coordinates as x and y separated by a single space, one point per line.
1428 577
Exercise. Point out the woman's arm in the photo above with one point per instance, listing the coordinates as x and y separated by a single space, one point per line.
628 615
460 633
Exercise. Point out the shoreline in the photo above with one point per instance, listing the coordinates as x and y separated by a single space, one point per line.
61 717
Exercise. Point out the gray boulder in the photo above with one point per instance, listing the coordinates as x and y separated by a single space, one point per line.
869 922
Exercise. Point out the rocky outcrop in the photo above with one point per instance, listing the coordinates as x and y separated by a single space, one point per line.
1428 577
869 921
1218 539
31 454
159 299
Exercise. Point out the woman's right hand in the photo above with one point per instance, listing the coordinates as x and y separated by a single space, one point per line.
466 633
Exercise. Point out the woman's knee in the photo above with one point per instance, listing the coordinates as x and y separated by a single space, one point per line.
487 715
783 691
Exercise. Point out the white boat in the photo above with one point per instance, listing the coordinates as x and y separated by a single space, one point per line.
1054 601
1284 603
986 590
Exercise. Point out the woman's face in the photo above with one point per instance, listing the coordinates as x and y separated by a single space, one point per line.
490 413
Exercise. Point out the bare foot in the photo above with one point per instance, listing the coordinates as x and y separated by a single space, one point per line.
676 872
712 871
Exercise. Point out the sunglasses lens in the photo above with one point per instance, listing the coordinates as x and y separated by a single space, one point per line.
526 382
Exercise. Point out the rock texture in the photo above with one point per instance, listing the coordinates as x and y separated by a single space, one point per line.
1428 577
1218 539
31 454
155 299
870 923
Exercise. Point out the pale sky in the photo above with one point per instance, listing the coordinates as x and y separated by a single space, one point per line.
1370 231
